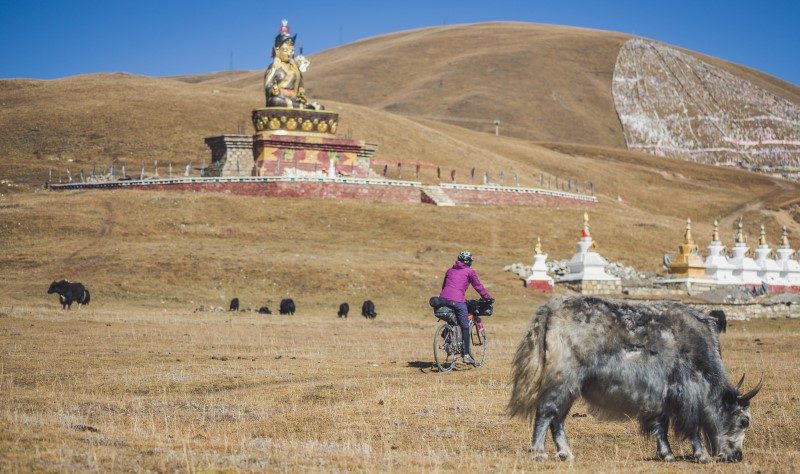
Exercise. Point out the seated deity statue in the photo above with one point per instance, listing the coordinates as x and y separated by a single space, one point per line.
283 80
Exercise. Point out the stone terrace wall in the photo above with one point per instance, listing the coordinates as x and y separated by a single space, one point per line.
325 188
506 195
377 190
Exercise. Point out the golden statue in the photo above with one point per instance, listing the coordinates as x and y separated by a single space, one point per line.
283 79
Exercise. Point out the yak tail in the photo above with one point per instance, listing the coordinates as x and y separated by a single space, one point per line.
86 297
528 367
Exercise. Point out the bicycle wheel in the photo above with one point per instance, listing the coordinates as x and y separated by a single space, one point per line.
479 345
446 346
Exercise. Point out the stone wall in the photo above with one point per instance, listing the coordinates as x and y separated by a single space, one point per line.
316 190
231 155
742 312
595 287
507 195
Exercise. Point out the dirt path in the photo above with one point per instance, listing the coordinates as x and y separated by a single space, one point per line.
107 225
783 216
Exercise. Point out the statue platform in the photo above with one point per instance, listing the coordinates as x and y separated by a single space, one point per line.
274 119
275 153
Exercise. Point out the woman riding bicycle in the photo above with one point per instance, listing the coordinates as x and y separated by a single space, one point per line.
454 289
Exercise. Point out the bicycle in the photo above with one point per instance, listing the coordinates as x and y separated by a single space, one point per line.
447 342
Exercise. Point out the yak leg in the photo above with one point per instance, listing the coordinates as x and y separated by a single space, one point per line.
560 438
700 453
661 430
540 425
553 407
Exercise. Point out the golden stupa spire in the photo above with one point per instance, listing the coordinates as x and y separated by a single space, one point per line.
538 249
688 234
785 238
586 224
762 236
740 233
715 235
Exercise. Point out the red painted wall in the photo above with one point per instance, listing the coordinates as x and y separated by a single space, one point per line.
374 193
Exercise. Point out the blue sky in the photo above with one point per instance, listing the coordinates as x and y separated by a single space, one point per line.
51 39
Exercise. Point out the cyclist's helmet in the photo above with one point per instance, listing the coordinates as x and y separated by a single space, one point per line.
465 257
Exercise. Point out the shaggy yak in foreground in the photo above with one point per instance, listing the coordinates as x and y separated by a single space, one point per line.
69 292
659 363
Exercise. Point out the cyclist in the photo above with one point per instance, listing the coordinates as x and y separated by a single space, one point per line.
454 288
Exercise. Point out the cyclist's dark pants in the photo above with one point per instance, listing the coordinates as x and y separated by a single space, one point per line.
461 314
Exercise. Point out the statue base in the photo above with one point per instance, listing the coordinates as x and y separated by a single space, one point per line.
280 152
272 119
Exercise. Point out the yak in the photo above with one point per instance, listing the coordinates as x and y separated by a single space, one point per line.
287 306
344 308
69 292
659 363
368 309
234 305
264 310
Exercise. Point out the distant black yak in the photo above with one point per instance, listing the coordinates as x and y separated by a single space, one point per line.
287 306
368 310
234 305
69 293
344 308
264 310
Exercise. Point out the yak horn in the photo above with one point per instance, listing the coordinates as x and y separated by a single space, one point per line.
752 393
741 381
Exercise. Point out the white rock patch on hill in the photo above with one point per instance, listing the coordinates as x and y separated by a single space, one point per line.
673 104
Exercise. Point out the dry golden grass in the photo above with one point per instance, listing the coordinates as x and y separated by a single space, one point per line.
168 390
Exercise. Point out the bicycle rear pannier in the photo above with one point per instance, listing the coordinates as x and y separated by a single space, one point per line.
446 314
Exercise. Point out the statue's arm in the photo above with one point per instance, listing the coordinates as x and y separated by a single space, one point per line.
269 80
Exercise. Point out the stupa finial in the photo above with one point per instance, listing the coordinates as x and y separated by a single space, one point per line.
762 236
585 232
740 233
688 234
715 235
785 238
537 250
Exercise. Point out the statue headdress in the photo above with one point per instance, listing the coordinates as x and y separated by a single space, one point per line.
284 35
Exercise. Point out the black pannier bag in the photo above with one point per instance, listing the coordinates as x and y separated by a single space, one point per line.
442 311
480 307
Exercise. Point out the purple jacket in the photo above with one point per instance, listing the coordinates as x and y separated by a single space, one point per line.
457 280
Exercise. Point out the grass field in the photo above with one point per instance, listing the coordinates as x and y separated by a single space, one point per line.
138 381
171 390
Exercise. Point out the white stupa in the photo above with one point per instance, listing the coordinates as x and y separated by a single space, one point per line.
718 268
789 267
745 269
539 279
769 271
588 268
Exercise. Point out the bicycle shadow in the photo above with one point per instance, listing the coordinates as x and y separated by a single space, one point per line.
424 366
